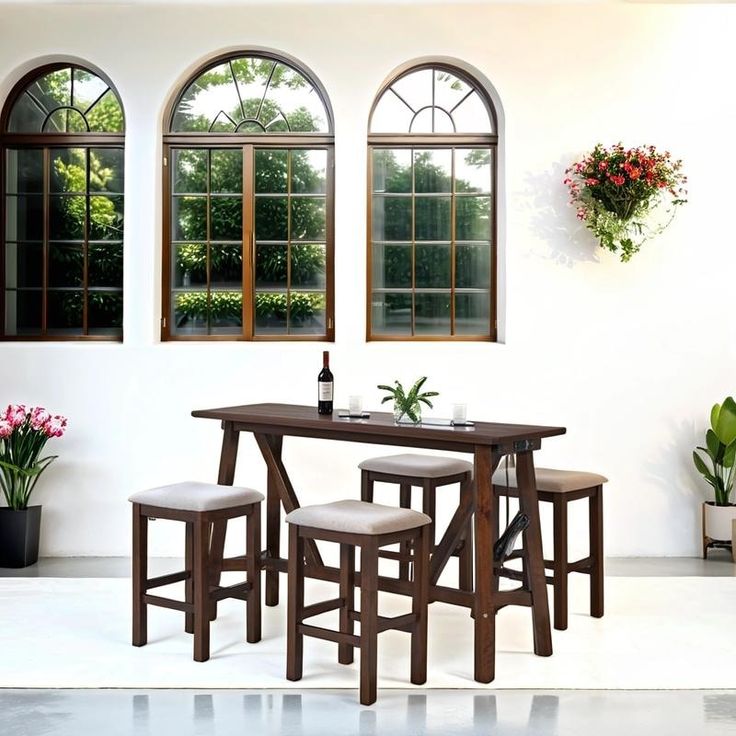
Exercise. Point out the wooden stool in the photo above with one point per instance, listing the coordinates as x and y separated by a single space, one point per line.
559 487
198 505
428 472
369 526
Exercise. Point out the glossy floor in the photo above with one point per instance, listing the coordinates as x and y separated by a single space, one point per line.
438 712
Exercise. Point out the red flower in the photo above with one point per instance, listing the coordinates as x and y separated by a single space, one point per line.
591 182
618 180
634 173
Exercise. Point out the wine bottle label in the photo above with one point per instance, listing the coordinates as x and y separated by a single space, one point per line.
325 390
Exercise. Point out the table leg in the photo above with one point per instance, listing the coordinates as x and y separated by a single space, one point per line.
273 526
529 504
485 620
225 477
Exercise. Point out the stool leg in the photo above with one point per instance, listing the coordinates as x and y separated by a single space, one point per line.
420 601
347 593
368 622
595 508
253 574
559 574
140 576
273 528
189 567
201 572
465 560
428 504
366 486
404 547
216 532
295 605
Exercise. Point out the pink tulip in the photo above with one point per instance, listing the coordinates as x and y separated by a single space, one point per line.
55 426
39 417
15 414
6 428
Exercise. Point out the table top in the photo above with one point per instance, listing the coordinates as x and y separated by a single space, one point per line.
380 428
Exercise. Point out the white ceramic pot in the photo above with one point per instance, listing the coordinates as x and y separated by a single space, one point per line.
718 520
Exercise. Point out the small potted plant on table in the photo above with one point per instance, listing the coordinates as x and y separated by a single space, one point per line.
408 403
23 435
720 450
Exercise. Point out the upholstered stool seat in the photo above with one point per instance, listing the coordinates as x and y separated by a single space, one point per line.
559 487
428 472
369 526
198 505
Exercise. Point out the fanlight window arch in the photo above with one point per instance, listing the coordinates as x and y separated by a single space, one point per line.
251 95
432 208
62 151
249 233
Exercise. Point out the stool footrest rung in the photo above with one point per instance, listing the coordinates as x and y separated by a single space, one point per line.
174 577
239 591
390 554
315 609
399 623
338 637
157 600
584 565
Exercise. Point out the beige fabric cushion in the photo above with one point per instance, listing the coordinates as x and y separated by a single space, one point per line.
417 466
194 496
554 481
357 517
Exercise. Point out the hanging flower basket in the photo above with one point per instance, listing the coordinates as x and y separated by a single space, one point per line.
626 196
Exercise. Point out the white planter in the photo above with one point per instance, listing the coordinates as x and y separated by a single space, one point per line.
718 520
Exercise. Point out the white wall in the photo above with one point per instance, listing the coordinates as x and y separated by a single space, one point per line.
629 357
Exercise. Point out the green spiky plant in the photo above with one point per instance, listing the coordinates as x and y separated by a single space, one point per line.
407 403
720 449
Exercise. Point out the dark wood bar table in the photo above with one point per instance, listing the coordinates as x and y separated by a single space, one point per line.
486 442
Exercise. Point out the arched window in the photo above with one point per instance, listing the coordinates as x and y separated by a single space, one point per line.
62 144
432 251
248 232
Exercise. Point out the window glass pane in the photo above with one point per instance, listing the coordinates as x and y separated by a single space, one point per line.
473 170
206 101
391 266
69 170
106 168
65 309
449 89
432 218
106 115
227 171
26 116
190 265
471 116
105 313
65 121
226 266
67 216
392 170
271 172
66 264
391 115
473 266
432 314
190 313
189 167
271 310
392 218
226 312
307 313
472 314
24 217
308 218
105 264
433 170
391 314
433 267
309 172
271 266
23 265
87 89
272 218
473 218
24 171
292 97
308 266
23 312
226 218
189 215
53 89
106 218
415 88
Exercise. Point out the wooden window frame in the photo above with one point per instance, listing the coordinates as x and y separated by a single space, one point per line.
249 143
46 142
442 141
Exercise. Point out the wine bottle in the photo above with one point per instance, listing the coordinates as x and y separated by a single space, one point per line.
325 386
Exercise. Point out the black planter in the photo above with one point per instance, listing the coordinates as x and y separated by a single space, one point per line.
19 535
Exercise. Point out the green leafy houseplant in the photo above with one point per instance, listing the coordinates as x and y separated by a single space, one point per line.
408 403
720 449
